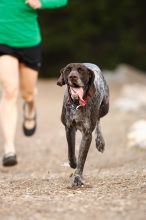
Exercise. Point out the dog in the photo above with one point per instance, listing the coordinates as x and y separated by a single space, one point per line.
86 100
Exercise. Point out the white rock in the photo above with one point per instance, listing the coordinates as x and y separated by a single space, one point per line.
137 135
132 98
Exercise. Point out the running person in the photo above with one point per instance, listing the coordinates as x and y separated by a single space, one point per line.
20 60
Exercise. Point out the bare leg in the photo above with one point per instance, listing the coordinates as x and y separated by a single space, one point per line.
9 79
70 135
84 148
28 80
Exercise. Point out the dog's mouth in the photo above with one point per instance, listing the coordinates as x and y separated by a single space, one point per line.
77 94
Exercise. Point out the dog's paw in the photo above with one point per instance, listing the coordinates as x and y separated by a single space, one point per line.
77 181
73 163
100 146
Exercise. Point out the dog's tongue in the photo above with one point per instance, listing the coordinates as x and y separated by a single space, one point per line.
77 93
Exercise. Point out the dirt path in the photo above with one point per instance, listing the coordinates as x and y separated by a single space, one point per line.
38 188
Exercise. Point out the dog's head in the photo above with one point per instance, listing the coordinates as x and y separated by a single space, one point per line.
79 79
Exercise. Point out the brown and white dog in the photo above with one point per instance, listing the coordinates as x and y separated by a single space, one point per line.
86 100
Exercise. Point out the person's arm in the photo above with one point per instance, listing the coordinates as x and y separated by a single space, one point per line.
41 4
52 3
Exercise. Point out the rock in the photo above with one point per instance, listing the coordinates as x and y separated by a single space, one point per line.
132 98
137 135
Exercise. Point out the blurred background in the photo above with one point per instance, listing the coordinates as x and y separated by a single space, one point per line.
105 32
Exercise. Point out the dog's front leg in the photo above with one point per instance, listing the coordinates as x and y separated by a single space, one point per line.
83 151
70 135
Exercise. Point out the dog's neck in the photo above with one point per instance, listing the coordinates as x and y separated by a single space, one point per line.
80 103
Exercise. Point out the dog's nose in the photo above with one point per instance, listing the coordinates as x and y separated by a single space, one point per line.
73 76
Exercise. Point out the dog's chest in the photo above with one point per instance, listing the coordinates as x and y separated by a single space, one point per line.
78 118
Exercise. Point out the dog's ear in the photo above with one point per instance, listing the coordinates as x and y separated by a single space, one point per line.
92 89
60 81
91 76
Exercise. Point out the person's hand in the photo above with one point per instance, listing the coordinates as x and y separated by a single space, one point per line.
35 4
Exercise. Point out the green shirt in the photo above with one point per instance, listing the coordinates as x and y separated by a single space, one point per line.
18 22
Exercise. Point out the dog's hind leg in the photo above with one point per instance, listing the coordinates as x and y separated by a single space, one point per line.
83 151
70 135
99 139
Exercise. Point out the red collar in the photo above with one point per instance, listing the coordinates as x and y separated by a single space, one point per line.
82 102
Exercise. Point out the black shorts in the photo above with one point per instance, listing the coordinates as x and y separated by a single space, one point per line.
30 56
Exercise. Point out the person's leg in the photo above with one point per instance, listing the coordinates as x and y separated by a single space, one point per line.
9 79
28 81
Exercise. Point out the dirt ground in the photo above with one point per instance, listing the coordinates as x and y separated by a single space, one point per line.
38 188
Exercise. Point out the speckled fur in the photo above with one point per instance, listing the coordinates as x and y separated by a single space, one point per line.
85 118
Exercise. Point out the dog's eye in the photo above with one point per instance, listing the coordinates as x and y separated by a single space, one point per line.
68 70
80 70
